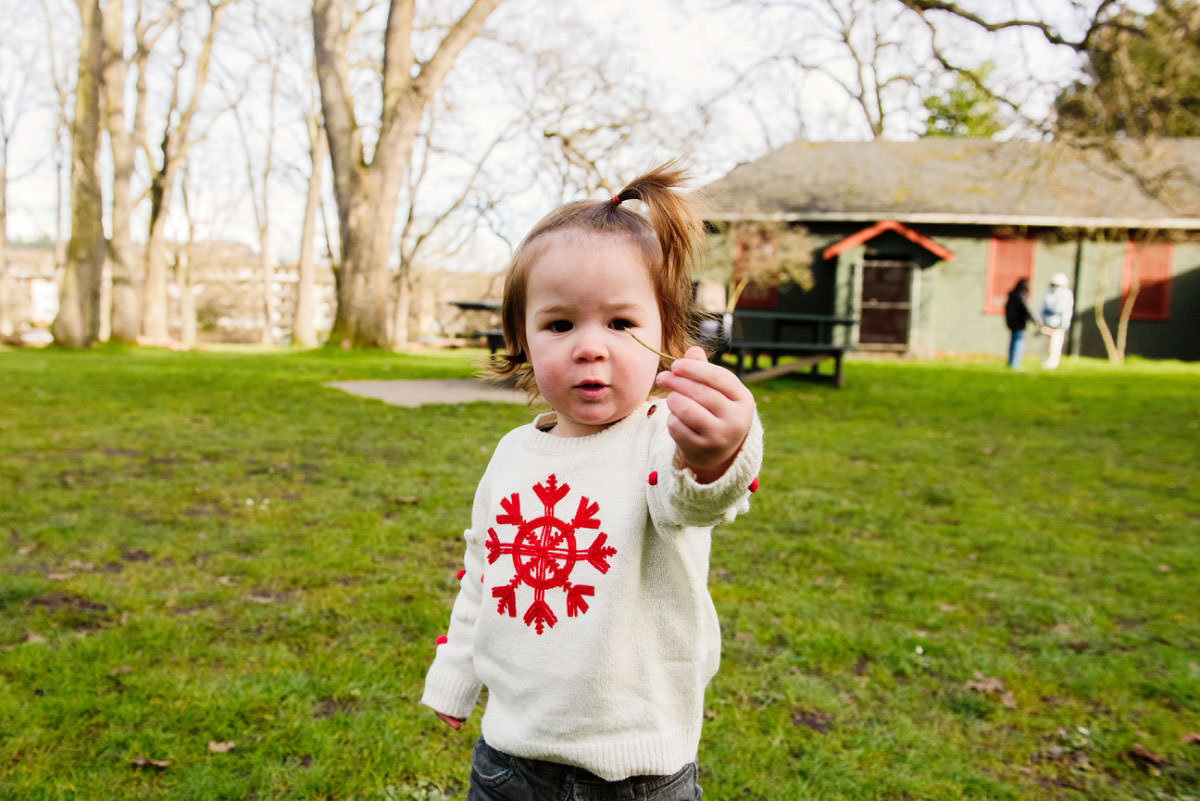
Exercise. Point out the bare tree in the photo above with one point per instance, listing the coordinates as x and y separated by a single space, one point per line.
303 328
184 258
366 187
17 93
867 51
268 38
1106 29
63 94
125 322
433 233
177 137
78 321
125 137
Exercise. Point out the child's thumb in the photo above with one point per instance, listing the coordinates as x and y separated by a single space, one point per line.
696 352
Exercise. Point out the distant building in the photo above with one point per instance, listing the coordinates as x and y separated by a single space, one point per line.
922 240
227 285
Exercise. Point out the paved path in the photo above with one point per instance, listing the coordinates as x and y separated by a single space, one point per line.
418 393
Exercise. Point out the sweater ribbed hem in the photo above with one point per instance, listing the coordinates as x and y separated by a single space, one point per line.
612 760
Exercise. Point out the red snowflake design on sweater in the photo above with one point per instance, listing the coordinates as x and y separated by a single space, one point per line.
544 552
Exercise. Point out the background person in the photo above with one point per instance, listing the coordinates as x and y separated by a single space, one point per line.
1058 304
1016 315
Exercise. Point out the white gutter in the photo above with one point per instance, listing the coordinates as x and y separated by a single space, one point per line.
929 218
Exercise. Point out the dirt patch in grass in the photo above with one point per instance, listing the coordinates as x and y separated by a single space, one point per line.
56 601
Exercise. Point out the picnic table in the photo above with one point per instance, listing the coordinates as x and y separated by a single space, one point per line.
494 336
806 337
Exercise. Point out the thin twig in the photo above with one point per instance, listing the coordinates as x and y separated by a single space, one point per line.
647 347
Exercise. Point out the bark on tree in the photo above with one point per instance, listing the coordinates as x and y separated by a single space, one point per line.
78 322
366 191
303 323
123 259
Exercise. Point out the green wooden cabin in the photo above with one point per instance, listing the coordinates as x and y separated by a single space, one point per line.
921 241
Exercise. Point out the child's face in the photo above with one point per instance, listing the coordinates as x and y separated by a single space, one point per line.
582 294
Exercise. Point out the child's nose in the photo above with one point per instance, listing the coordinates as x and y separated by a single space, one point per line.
589 345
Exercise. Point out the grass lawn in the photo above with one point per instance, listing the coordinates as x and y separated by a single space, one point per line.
956 582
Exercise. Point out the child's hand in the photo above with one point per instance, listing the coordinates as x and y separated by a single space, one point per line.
711 413
454 723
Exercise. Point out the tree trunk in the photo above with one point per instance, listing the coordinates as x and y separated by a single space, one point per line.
187 301
6 326
175 142
366 192
403 306
154 299
303 323
361 319
126 316
78 320
266 272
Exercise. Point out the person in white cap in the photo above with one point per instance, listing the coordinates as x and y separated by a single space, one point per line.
1058 304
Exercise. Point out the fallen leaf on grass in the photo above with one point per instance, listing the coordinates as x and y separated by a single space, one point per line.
818 721
120 670
1191 738
985 684
140 761
992 686
31 637
60 576
1149 760
220 748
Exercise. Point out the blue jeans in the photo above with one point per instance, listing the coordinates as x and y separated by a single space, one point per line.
1016 349
496 776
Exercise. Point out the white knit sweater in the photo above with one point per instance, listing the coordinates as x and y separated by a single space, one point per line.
584 605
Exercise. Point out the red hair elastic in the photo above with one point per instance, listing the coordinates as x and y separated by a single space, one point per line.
616 200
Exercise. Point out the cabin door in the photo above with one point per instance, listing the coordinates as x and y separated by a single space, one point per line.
886 303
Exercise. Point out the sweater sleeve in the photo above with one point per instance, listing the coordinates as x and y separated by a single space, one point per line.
679 500
451 686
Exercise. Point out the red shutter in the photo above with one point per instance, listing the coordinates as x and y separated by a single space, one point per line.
1149 263
1008 260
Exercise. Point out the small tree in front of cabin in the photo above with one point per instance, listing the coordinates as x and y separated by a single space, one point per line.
1127 264
760 254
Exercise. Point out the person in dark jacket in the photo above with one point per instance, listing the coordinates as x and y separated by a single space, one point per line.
1016 315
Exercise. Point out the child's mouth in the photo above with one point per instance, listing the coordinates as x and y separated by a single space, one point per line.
591 388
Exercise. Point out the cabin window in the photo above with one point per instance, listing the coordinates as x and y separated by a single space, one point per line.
1008 261
1148 267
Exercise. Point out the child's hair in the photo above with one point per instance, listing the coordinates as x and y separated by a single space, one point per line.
669 241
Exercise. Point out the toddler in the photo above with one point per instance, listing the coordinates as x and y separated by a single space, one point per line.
584 606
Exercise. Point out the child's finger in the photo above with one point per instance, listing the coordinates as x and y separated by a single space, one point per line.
701 392
712 375
454 723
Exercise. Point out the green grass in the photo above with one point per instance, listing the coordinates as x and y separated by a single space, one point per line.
956 582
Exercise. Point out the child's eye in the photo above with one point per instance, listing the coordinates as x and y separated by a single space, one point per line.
560 326
621 324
